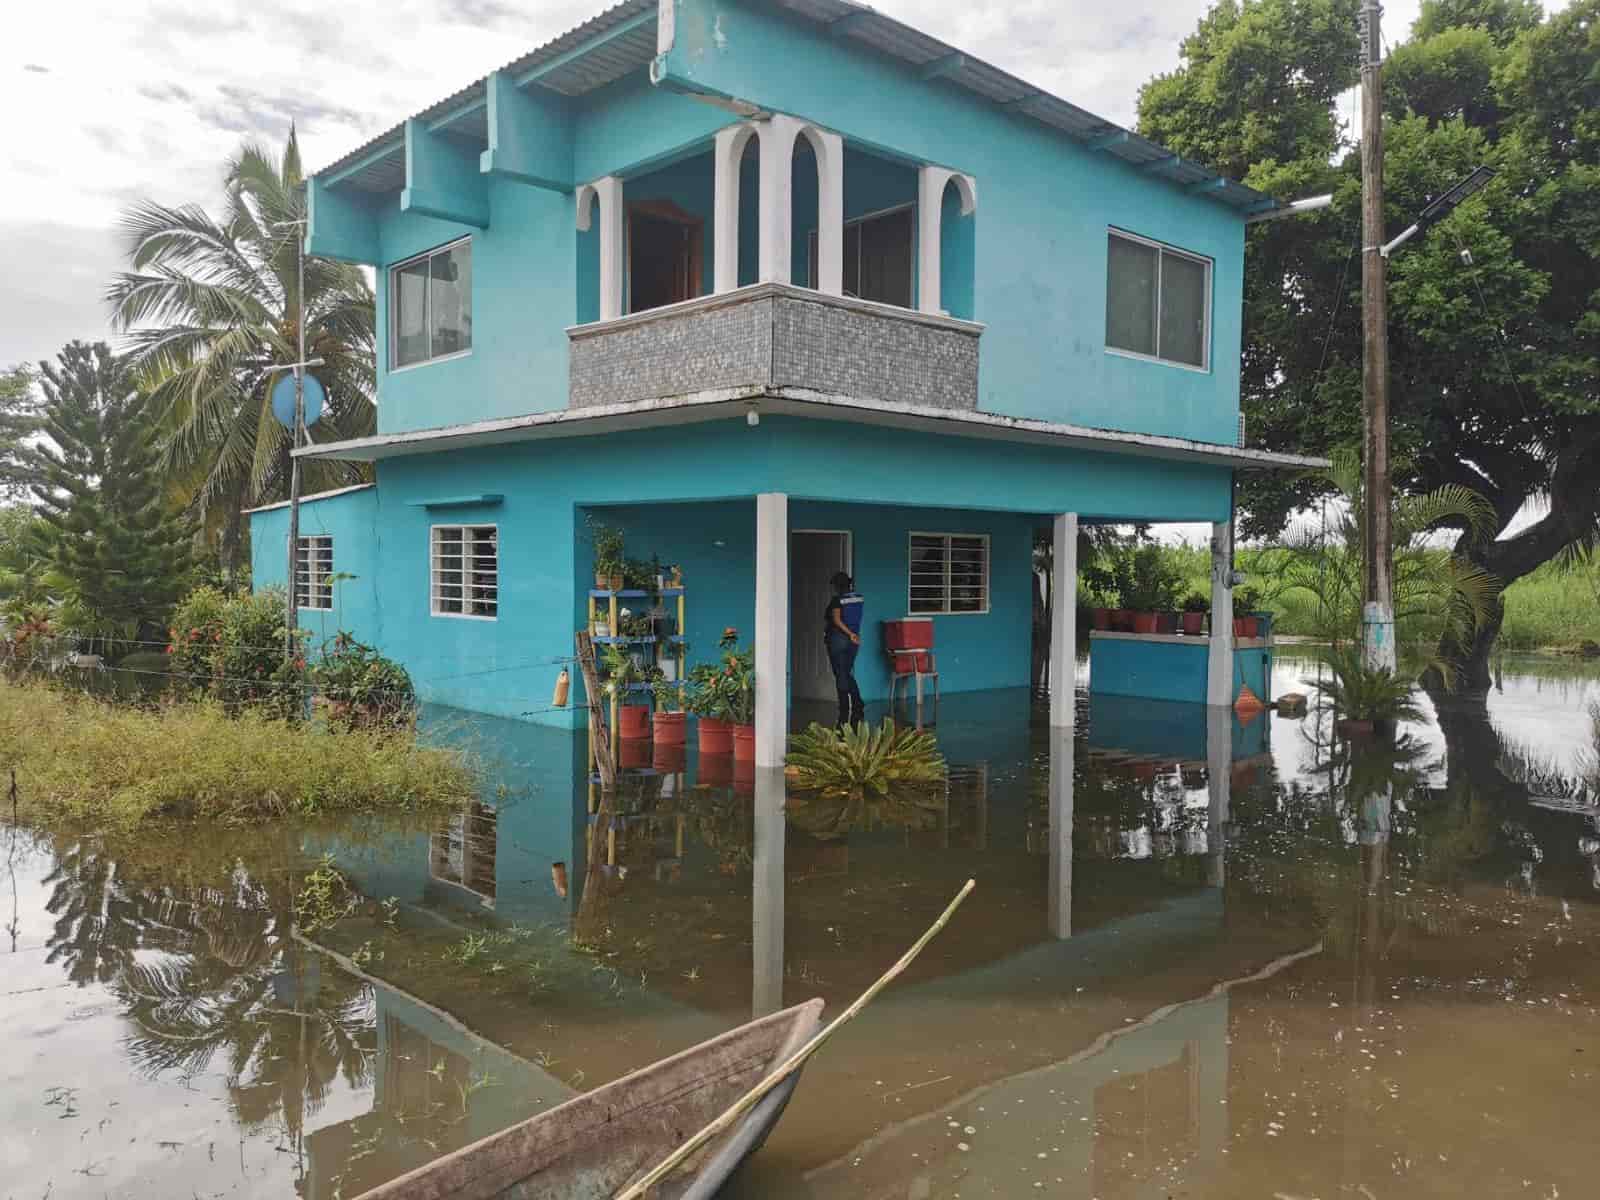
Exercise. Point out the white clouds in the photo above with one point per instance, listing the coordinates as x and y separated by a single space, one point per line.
107 101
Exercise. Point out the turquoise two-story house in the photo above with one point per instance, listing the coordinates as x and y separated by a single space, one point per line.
777 289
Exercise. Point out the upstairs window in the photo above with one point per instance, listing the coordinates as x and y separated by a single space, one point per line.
313 572
430 305
465 571
949 573
1158 301
877 257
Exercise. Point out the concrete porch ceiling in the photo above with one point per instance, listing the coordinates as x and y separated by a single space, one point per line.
734 403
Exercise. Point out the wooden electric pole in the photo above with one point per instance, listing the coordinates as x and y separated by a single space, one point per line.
1377 591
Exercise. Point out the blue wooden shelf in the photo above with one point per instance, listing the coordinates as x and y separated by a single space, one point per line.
622 641
632 593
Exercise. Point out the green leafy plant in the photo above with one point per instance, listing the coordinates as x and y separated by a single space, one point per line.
725 689
862 760
667 694
325 898
608 545
1247 600
230 647
1196 603
361 688
1362 693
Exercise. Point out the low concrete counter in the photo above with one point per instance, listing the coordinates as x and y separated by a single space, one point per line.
1170 666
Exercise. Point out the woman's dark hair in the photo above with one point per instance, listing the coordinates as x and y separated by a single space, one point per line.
841 581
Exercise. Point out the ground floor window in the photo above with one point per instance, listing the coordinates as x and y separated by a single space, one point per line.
949 573
313 572
465 575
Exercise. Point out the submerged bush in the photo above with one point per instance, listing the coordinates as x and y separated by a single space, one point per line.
361 689
861 759
79 760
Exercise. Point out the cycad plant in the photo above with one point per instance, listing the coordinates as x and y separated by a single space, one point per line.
1359 692
860 760
210 306
1316 580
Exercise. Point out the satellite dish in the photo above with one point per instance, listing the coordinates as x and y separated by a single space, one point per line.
283 400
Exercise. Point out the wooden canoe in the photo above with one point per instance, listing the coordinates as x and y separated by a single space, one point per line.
594 1145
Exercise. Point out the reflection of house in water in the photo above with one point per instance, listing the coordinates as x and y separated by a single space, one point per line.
461 851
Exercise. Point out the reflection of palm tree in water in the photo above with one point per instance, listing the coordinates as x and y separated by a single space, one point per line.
224 978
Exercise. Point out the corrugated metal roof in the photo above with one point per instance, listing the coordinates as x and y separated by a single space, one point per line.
379 165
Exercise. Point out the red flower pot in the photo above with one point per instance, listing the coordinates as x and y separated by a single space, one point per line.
716 736
1193 622
667 757
1245 627
1166 622
633 752
633 721
715 769
1122 619
1144 622
671 729
744 743
1100 618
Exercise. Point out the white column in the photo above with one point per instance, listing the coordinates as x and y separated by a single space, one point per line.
766 896
830 212
777 196
605 194
1064 623
1219 669
729 154
772 628
1060 915
1219 788
930 211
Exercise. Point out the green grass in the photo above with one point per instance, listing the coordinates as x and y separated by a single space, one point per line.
81 760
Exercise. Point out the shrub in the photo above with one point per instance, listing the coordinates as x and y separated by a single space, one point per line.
726 689
361 688
231 648
1363 693
861 759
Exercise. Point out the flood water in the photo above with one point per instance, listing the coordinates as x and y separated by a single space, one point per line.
1236 959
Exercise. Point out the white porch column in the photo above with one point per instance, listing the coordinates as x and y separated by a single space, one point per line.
777 196
605 194
1060 914
729 154
931 183
766 898
1219 669
1219 790
772 628
1064 623
829 148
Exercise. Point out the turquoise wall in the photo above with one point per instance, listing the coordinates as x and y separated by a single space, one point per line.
1037 247
1170 670
877 482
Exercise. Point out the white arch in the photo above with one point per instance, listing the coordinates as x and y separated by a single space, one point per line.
776 137
829 151
931 183
729 153
606 194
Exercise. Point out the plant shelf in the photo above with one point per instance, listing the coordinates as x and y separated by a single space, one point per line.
632 593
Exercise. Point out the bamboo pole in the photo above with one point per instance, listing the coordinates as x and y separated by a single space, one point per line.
753 1097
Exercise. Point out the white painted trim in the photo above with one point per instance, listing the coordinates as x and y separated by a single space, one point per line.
776 200
1064 632
987 574
1197 640
393 310
433 610
430 362
829 150
931 183
666 25
1165 248
772 628
328 495
1219 667
728 153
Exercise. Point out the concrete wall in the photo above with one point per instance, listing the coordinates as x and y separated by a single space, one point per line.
1170 670
876 482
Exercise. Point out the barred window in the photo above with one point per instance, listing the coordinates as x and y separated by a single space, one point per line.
465 571
313 572
949 573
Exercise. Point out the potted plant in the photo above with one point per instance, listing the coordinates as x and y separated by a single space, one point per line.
676 579
1149 586
1195 608
600 627
1245 601
1368 699
608 559
623 672
708 702
669 724
1100 618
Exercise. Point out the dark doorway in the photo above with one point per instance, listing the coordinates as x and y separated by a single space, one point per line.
664 251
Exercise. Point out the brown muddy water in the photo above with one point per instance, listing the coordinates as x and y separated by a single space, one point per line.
1227 961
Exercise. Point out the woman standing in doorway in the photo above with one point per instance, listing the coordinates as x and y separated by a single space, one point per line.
841 626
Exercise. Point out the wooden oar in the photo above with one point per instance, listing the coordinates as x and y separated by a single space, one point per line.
751 1098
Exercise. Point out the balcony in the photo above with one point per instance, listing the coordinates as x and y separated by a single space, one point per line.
774 338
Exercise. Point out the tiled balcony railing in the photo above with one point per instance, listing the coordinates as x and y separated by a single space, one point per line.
776 338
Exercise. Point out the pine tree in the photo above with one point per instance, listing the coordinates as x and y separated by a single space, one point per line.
119 553
19 421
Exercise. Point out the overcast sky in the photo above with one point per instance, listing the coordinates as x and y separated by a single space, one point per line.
107 102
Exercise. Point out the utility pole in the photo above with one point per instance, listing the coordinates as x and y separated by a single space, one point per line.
1377 589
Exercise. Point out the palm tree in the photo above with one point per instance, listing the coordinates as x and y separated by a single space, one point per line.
210 306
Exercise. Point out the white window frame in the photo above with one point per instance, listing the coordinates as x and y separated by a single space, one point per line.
309 581
394 311
1164 248
946 611
434 598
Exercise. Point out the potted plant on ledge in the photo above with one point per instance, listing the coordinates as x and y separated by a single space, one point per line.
1245 623
623 672
1195 608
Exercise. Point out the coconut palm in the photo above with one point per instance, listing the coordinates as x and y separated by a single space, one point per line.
1317 579
210 306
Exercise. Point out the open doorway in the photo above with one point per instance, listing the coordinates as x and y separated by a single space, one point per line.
665 245
814 556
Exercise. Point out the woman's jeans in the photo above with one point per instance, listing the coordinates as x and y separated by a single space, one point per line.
842 658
